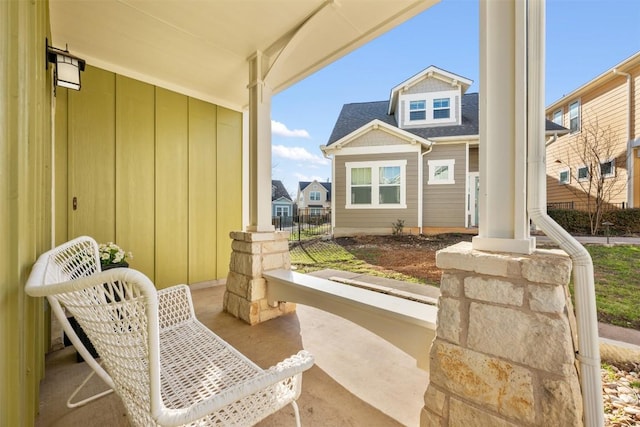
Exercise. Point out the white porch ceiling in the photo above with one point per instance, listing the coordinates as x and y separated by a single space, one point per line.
200 47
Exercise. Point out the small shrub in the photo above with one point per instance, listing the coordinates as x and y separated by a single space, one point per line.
398 227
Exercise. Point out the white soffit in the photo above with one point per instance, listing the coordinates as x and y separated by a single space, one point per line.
200 47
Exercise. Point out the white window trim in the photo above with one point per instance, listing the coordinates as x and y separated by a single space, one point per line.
578 173
613 168
577 102
553 116
568 180
433 164
428 97
375 182
282 208
311 199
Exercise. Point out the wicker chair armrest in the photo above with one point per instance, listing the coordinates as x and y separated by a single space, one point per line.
36 289
175 306
288 368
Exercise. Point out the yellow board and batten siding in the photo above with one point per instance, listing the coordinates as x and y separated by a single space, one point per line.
202 190
91 154
155 171
135 160
228 184
172 186
25 203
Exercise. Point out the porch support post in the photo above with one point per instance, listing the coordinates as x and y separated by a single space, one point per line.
503 218
259 147
260 248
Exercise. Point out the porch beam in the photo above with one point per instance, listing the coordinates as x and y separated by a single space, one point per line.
504 222
259 147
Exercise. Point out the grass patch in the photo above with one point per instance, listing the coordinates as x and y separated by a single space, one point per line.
320 255
617 284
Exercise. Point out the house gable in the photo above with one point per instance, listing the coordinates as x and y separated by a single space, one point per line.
321 197
430 98
378 134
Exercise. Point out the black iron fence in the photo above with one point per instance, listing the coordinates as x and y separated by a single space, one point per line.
303 227
582 206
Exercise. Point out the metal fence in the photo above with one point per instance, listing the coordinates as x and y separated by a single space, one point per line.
303 227
582 206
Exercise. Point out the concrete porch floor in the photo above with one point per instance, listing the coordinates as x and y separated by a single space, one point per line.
358 380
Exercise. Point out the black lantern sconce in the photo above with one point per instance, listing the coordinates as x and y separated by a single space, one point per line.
68 67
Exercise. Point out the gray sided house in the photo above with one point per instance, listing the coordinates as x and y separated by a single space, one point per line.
413 158
281 203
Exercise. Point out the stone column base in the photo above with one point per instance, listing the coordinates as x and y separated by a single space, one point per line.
504 353
253 253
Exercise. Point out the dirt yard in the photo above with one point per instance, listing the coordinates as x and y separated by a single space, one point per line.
408 254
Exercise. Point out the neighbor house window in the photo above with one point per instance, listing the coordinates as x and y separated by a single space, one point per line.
565 176
379 184
608 169
314 195
583 173
574 116
557 117
418 110
282 210
441 171
441 108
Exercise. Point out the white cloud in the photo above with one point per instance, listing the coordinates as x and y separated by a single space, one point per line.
299 154
309 178
281 129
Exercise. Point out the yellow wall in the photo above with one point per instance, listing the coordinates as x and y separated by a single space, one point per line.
25 199
155 171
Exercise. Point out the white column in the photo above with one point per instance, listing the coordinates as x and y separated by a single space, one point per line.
259 148
503 222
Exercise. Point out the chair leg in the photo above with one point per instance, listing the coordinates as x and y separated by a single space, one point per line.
296 412
88 399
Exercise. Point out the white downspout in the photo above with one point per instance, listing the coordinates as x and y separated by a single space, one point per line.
421 188
588 347
630 171
333 192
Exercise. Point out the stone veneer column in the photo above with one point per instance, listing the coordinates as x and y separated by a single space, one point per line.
253 253
504 353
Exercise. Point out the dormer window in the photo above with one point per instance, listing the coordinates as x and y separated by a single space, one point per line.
418 110
441 108
429 108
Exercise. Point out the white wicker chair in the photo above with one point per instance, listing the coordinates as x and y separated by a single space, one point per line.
166 366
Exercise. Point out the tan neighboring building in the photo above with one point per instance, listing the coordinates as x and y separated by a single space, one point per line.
607 106
314 198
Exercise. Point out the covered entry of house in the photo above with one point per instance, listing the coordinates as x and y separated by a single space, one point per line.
199 72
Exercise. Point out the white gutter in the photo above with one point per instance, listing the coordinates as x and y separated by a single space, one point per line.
588 348
421 188
630 171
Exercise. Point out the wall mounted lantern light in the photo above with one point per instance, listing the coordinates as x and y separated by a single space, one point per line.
68 67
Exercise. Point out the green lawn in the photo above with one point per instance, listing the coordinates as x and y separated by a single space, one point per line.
617 281
617 275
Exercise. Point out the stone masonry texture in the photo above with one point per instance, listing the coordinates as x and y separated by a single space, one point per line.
503 354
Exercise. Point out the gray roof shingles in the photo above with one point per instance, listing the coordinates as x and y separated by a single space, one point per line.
279 190
354 116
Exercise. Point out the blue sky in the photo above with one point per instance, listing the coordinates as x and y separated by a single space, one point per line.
584 39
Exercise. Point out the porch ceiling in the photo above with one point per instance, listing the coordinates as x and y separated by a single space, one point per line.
200 48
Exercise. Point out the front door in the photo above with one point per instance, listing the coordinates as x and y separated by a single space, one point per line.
472 198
